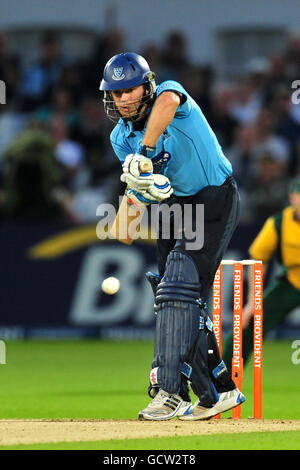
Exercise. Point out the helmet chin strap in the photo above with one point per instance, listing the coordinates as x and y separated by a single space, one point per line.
146 100
136 117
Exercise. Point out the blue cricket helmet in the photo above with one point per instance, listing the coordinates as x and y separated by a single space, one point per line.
126 70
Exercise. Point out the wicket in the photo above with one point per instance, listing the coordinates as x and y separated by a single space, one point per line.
237 359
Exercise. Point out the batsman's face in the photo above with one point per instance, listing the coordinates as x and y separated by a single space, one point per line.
128 100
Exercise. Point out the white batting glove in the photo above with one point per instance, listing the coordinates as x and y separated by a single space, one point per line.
140 199
157 192
132 172
160 189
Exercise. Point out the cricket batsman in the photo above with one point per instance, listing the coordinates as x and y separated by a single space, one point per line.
163 125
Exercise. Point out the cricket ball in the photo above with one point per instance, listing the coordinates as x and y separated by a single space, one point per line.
111 285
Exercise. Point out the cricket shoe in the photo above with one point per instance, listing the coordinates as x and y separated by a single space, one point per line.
164 406
227 401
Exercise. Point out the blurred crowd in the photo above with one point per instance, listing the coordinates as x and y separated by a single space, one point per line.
55 156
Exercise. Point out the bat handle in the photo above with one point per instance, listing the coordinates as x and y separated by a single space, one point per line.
145 167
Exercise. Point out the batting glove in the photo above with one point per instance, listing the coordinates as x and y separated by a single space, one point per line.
161 188
157 192
132 174
138 199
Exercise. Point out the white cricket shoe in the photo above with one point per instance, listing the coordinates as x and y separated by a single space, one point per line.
227 401
164 406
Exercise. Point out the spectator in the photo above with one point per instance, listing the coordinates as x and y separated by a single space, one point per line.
71 79
292 56
267 140
61 105
91 133
153 55
103 183
245 104
258 70
33 180
12 121
174 56
286 126
297 164
40 78
70 155
222 121
9 71
293 70
267 192
197 81
278 76
105 46
241 153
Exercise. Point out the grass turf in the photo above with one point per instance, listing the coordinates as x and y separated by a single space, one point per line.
108 380
246 441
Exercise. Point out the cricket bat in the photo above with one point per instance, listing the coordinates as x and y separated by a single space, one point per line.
128 216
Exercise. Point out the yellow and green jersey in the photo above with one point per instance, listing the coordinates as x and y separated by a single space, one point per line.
280 234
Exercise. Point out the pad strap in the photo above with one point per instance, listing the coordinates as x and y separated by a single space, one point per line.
177 291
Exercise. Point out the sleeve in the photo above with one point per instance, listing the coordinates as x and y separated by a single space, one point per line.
185 101
266 242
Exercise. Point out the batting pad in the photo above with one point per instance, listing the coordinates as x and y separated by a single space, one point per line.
177 321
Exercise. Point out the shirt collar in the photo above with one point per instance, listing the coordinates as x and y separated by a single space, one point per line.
128 128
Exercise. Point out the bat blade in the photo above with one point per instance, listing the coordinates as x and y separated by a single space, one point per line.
129 216
126 222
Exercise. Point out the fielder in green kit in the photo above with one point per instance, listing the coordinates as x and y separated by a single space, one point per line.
280 236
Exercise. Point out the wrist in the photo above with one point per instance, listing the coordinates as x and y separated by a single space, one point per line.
146 150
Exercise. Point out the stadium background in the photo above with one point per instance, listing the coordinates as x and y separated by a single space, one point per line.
57 166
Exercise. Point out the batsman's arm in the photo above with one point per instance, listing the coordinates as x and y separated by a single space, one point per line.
161 116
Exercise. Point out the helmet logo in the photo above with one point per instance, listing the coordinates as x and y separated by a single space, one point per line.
118 73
